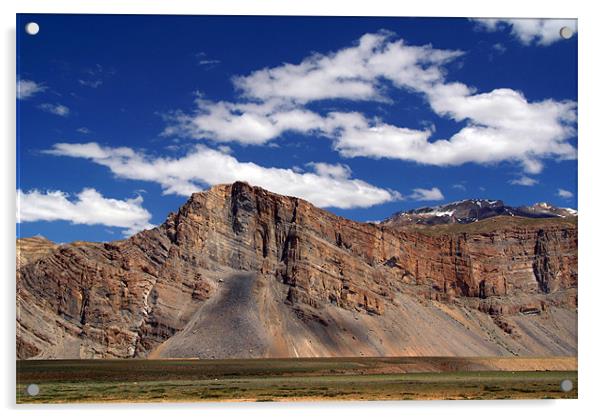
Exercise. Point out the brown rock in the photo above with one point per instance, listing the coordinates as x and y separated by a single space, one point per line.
314 284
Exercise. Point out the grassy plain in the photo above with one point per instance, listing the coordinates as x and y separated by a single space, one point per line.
265 380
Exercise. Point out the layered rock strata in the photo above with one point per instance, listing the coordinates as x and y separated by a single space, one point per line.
242 272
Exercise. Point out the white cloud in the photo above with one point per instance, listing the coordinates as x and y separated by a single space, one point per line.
95 76
524 181
88 207
427 194
203 60
565 194
350 73
500 125
28 88
91 83
56 109
503 125
326 186
355 136
209 62
542 32
499 48
336 171
246 123
225 149
459 186
83 130
277 95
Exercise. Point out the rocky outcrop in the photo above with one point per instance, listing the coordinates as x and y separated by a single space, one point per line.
319 285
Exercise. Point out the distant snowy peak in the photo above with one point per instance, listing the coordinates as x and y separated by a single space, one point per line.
473 210
548 209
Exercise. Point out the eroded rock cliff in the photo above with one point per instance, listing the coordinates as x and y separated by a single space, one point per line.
242 272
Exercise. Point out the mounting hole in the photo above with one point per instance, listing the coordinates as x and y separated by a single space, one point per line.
566 385
32 28
566 32
33 389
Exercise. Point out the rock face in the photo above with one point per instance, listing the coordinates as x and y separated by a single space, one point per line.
242 272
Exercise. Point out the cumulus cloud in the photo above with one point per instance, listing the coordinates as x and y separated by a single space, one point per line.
565 194
277 95
325 186
356 136
427 194
500 125
337 171
88 207
350 73
28 88
246 123
55 109
542 32
524 181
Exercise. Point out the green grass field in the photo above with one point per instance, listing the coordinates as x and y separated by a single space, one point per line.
275 380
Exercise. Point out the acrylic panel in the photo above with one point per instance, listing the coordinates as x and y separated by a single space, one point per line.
262 208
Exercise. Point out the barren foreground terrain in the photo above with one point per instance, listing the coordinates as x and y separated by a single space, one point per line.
399 378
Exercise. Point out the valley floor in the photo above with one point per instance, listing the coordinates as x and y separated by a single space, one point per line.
261 380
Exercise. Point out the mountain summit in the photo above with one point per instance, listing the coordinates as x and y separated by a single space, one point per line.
239 272
474 210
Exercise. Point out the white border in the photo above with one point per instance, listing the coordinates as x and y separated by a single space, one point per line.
590 205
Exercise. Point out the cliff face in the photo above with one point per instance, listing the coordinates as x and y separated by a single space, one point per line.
242 272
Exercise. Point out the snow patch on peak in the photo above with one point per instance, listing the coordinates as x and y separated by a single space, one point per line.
431 211
443 213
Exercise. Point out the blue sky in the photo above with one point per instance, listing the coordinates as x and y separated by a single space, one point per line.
120 118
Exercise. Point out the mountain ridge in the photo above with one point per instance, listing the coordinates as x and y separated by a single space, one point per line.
304 282
474 210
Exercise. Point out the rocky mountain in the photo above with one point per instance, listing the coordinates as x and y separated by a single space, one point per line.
474 210
242 272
